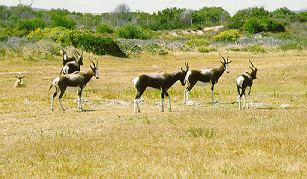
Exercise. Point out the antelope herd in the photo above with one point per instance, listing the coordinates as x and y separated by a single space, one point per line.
71 76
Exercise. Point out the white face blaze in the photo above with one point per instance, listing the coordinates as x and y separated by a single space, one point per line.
226 66
96 73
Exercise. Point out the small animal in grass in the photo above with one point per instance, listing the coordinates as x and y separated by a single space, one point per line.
18 83
77 79
160 81
244 84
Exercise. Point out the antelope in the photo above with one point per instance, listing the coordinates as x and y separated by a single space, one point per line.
161 81
76 79
209 75
245 82
66 58
73 66
18 82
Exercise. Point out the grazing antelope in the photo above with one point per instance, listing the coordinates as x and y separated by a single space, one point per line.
245 82
76 79
161 81
73 66
18 82
209 75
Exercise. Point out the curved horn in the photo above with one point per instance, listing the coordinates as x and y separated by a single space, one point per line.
251 62
77 52
92 61
222 57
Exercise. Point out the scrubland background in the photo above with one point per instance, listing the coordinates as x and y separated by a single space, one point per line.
108 140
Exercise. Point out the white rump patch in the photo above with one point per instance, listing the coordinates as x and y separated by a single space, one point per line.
240 80
55 81
135 80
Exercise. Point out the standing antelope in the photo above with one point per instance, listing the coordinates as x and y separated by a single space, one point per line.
76 79
209 75
73 66
18 82
245 82
162 81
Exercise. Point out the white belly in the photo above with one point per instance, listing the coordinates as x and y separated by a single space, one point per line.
152 89
199 83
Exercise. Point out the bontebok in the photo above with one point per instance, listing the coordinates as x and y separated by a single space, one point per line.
245 82
209 75
76 79
161 81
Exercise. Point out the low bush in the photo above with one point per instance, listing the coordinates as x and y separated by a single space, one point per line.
227 36
205 49
196 43
104 28
133 32
89 41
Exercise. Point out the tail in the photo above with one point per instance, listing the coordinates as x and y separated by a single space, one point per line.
54 83
50 86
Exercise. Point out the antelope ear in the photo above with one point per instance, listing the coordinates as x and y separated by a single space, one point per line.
259 68
229 61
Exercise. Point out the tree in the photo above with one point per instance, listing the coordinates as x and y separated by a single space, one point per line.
122 14
61 18
210 15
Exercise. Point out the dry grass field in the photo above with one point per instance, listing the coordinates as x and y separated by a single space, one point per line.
107 140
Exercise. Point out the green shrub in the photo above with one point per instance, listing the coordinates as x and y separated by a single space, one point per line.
133 32
2 51
227 36
255 49
3 38
104 28
253 26
292 46
205 49
87 40
196 43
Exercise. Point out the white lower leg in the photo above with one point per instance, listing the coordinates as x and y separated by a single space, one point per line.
184 96
239 101
212 96
247 101
169 102
60 101
244 101
162 101
79 104
136 105
52 100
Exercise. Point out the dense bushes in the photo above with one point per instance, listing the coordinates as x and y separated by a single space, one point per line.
87 40
104 28
255 25
133 32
